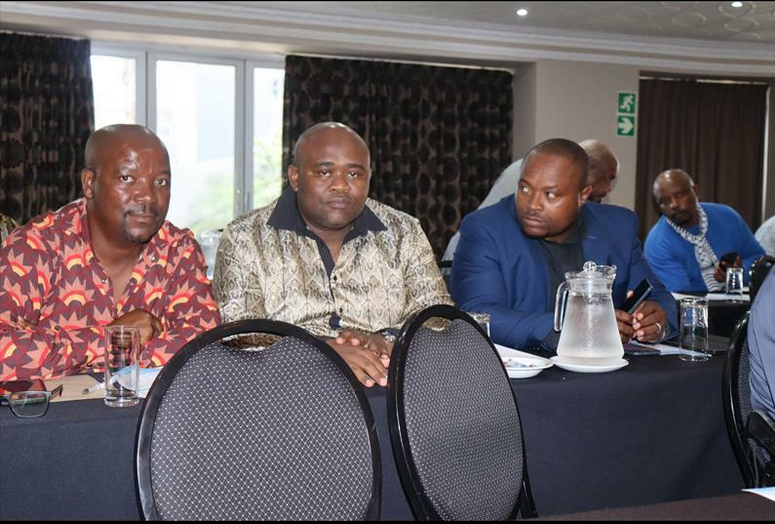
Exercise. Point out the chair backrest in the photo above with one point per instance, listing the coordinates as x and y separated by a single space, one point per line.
284 432
454 424
759 271
737 396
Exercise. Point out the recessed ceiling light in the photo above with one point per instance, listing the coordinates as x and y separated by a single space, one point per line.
737 4
522 12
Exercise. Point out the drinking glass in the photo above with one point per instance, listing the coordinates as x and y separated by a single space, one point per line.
693 340
483 319
122 368
735 282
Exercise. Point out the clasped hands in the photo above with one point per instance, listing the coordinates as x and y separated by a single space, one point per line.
367 354
647 323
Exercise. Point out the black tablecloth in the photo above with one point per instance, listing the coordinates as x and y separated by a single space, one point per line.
651 432
740 507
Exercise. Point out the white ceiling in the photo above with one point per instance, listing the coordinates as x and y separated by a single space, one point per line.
690 37
719 21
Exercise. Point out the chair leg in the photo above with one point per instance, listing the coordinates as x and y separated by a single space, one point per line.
527 505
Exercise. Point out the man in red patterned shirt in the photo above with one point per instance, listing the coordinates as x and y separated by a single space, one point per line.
108 258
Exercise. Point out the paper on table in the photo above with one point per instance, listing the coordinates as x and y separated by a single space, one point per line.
768 493
664 349
72 386
716 296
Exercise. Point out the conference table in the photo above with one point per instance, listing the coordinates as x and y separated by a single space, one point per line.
652 432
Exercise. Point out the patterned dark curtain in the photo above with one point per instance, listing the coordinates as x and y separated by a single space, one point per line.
439 136
713 131
46 116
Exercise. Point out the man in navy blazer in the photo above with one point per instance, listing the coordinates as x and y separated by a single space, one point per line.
513 255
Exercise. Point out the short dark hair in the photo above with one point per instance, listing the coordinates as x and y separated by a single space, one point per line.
564 148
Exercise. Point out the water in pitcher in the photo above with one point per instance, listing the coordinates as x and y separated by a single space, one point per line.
590 329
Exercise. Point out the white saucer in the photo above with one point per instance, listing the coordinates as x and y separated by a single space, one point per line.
589 365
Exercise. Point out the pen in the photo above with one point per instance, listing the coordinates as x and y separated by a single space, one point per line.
96 387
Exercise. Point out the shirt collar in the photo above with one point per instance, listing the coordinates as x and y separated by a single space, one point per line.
286 216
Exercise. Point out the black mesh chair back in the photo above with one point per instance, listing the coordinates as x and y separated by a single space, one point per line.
454 424
752 433
737 396
759 271
280 433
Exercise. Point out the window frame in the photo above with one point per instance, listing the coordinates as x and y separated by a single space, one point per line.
146 59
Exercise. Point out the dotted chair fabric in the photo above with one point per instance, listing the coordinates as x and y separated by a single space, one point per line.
273 434
462 424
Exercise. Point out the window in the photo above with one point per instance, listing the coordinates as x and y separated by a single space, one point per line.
115 90
220 118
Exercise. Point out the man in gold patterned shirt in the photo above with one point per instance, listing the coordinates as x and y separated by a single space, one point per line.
325 257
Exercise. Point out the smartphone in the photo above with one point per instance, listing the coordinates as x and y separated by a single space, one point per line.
729 258
639 351
639 294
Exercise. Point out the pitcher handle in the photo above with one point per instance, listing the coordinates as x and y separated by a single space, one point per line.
559 306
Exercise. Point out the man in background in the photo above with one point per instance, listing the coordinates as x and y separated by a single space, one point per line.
512 256
603 170
765 235
109 258
693 244
325 257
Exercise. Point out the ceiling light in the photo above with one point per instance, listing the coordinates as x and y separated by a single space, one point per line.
522 12
737 4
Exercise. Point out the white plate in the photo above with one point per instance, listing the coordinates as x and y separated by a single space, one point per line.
588 365
533 365
525 367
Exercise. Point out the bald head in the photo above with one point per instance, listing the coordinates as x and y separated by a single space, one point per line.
567 149
324 128
603 169
108 140
676 195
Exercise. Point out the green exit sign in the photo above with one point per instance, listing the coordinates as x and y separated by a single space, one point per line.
625 125
628 103
626 111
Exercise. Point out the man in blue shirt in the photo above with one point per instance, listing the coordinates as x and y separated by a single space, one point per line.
687 246
513 255
761 344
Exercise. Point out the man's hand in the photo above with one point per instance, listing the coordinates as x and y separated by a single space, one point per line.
365 363
150 327
374 341
720 274
649 322
624 322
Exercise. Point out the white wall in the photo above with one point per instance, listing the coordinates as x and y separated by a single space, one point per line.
576 100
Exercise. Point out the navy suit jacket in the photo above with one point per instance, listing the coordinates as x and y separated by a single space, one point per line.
499 270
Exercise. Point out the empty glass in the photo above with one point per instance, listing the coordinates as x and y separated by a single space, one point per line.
693 340
735 282
483 319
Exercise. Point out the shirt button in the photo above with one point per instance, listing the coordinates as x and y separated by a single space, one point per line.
334 279
341 310
104 280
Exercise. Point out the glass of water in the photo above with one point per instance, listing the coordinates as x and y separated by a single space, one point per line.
735 282
693 340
